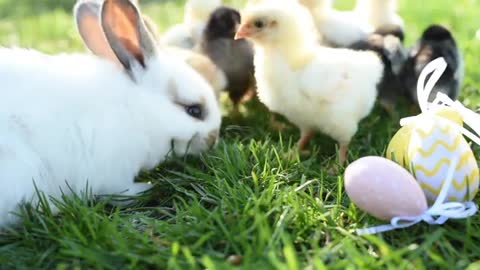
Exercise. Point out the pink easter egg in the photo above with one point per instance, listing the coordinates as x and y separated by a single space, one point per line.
384 189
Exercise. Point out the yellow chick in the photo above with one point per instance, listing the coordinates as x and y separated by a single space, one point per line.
316 88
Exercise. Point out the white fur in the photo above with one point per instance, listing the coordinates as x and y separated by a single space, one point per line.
316 88
377 13
188 34
80 119
203 65
336 28
343 28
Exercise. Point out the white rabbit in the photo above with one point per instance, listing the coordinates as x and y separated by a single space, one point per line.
84 119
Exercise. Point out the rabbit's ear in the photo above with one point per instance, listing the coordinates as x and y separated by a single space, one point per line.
87 18
127 34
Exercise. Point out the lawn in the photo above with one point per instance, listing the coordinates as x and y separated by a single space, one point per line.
243 205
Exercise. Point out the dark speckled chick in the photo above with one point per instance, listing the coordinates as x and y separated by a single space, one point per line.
387 42
436 41
234 57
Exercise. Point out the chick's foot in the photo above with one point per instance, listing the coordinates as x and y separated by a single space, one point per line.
276 125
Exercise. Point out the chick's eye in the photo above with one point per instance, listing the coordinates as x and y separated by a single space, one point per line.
259 24
195 111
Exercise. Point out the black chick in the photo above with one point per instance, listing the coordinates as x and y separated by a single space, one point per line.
436 41
387 42
234 57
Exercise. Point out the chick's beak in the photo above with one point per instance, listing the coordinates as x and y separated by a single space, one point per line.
243 31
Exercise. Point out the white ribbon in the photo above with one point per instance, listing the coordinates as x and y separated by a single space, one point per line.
438 214
440 211
472 119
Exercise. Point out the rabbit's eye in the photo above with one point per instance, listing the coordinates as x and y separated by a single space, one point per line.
195 111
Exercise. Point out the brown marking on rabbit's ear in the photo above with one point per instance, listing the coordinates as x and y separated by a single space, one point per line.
126 33
87 18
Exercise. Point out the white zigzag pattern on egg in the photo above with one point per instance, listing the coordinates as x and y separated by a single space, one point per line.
439 140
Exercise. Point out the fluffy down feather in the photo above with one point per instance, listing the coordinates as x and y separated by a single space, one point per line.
316 88
387 43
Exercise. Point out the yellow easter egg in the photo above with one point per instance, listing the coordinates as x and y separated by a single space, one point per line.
432 147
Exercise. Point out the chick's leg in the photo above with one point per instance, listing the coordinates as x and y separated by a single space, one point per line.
343 153
307 136
342 158
249 95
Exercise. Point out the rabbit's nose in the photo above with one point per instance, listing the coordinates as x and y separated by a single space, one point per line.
212 138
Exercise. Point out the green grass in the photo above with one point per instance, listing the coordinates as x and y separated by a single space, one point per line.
244 198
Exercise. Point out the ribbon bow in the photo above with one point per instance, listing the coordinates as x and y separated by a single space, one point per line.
440 211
